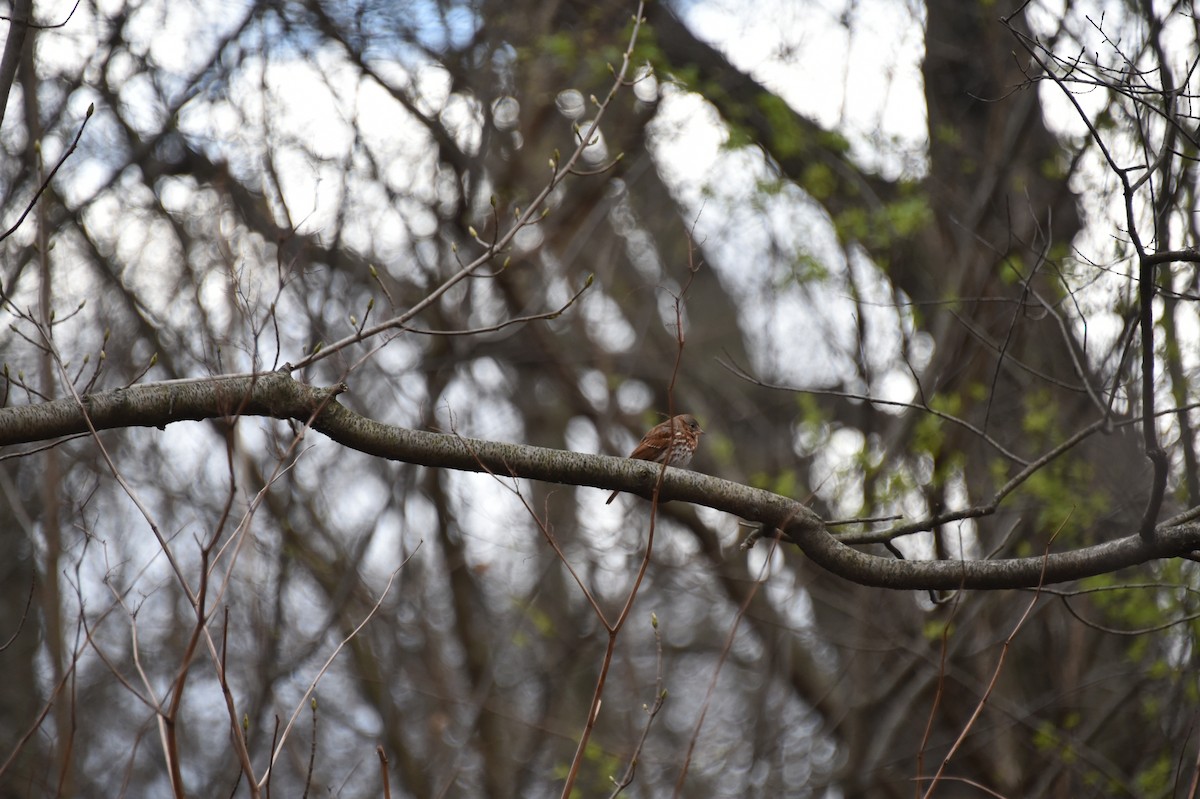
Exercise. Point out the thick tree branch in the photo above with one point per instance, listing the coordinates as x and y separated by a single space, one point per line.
277 395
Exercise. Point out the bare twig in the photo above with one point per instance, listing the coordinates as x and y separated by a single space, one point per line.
725 649
1146 292
46 182
24 615
546 316
995 673
744 374
531 215
383 772
312 686
660 698
939 691
615 629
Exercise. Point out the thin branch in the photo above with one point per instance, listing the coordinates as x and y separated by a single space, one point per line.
1146 292
726 648
744 374
383 772
939 691
312 686
14 46
530 215
474 331
46 183
995 673
27 22
660 698
24 616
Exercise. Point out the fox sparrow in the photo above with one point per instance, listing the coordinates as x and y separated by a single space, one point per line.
672 442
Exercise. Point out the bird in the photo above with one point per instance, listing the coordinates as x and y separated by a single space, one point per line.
672 442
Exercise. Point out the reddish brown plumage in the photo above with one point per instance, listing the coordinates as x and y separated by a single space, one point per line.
672 442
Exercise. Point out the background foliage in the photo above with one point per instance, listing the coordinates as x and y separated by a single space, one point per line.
887 313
